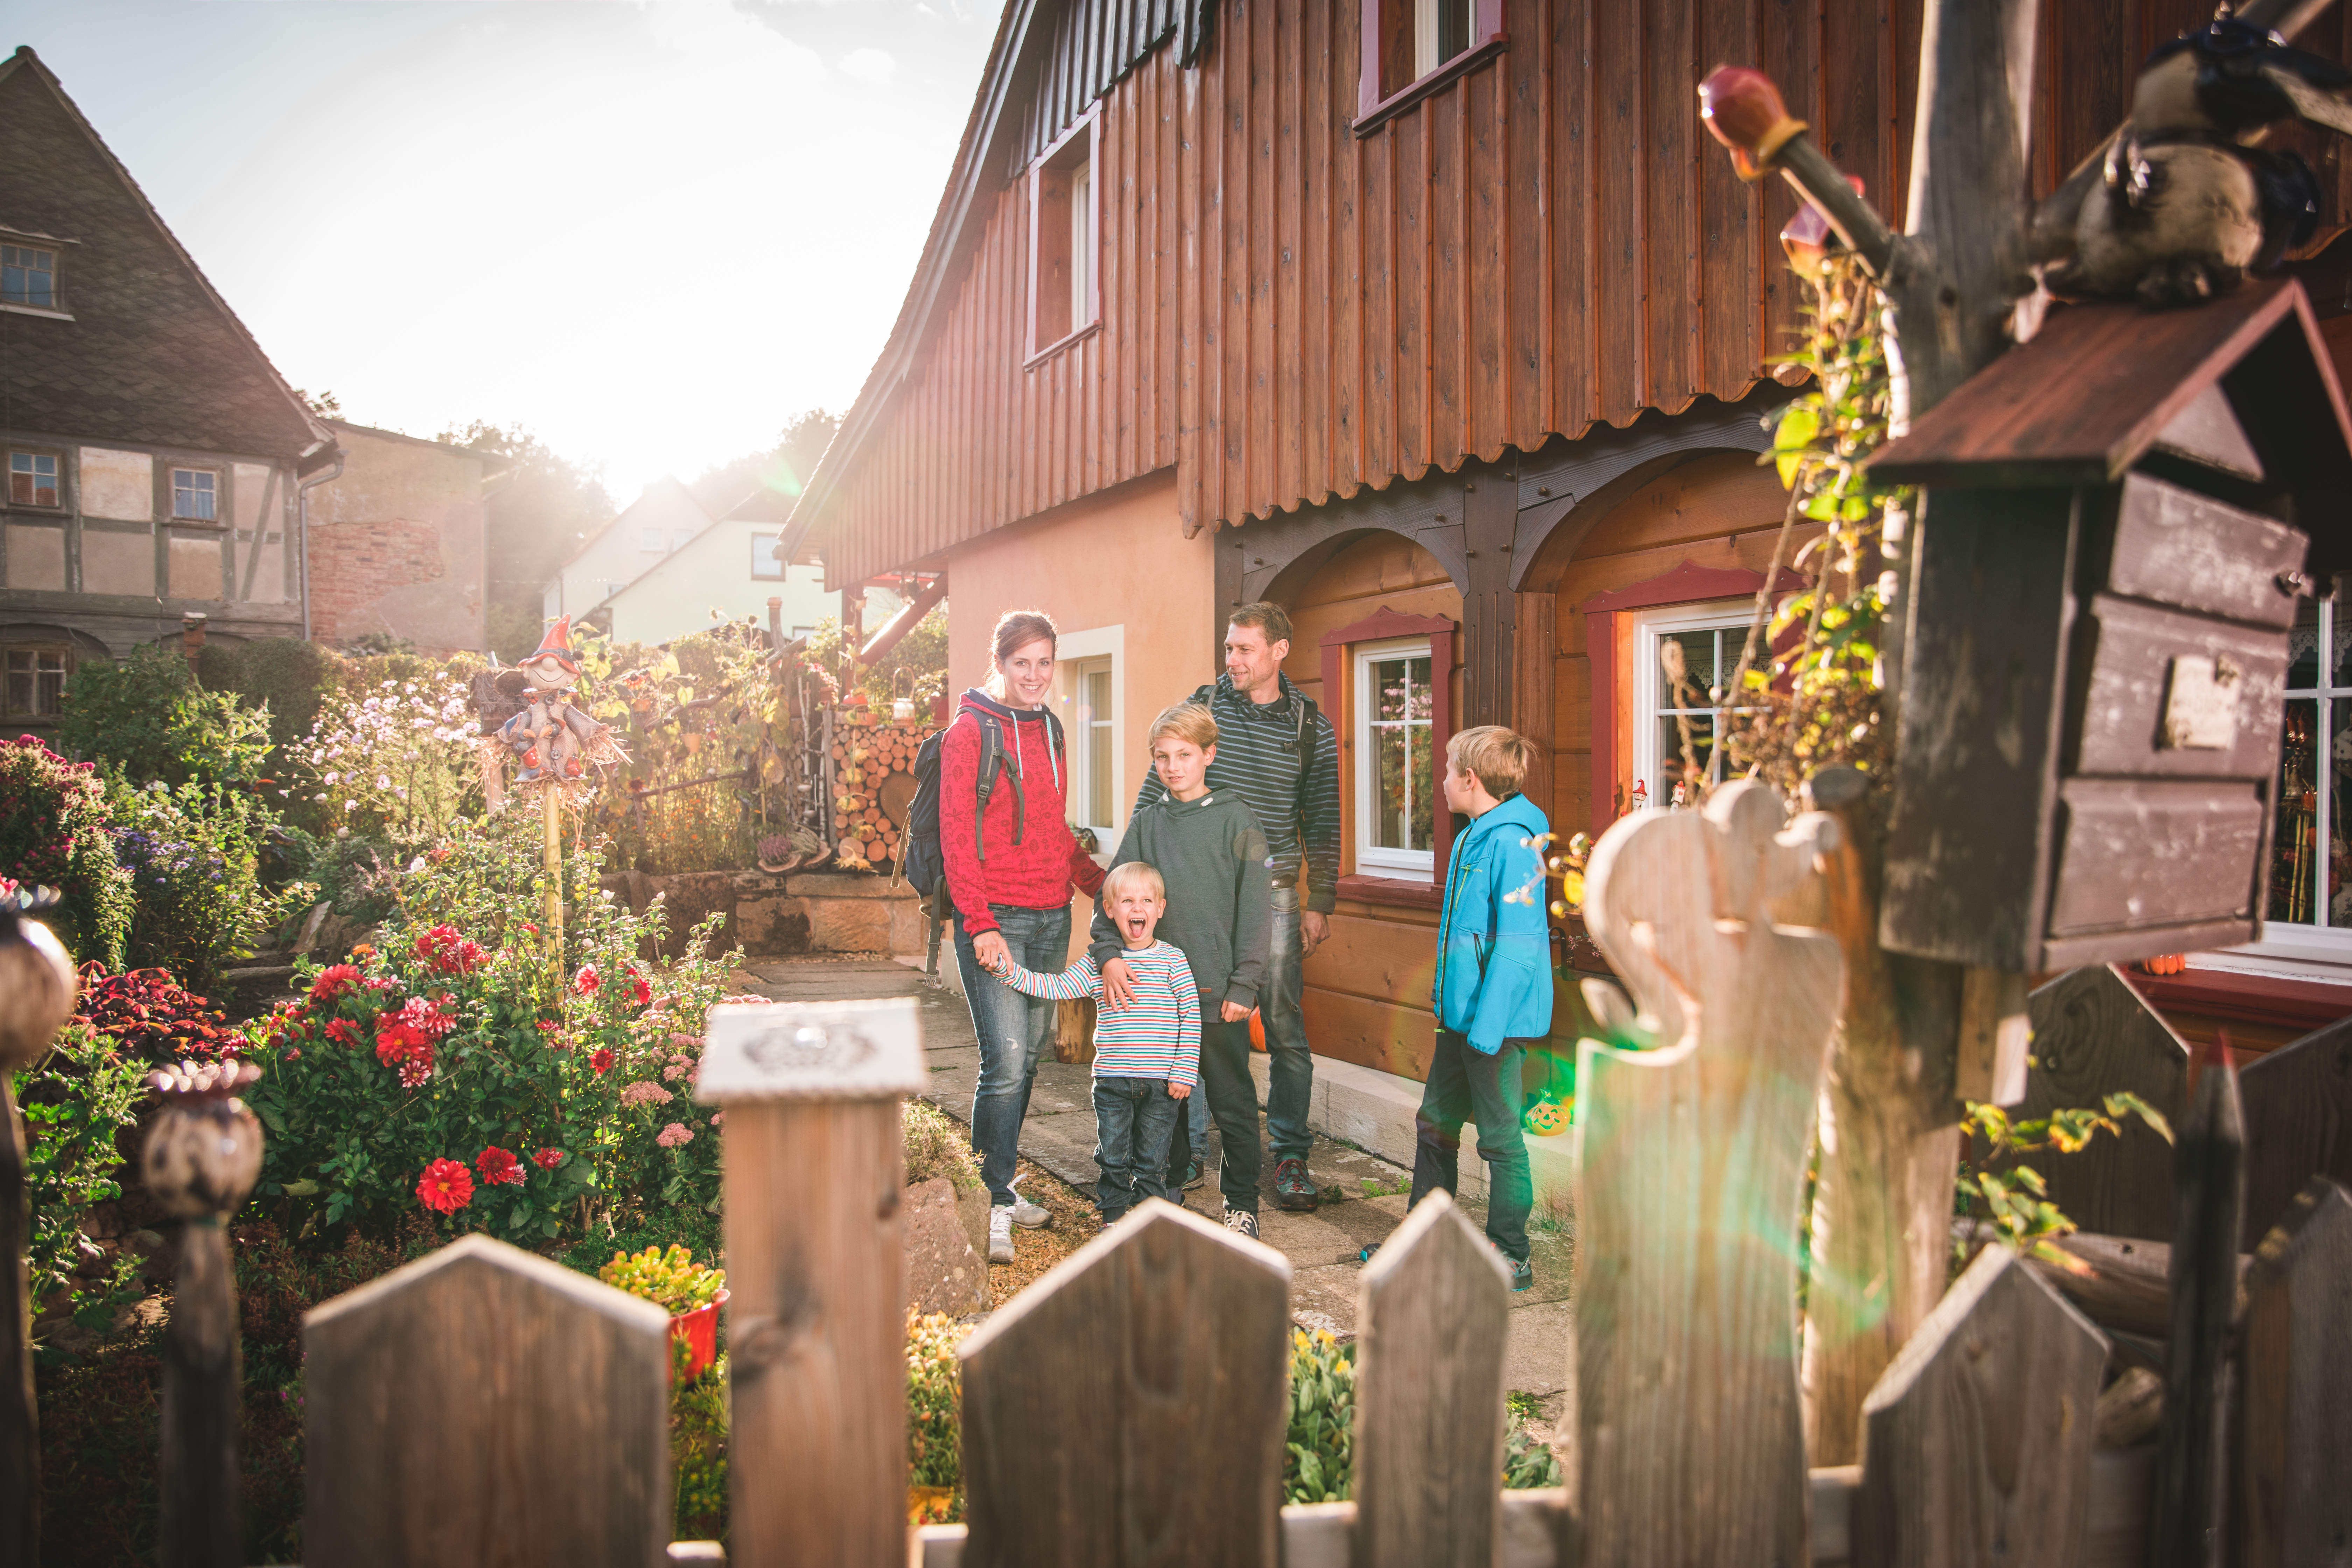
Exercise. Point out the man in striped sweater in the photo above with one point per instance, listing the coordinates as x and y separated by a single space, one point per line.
1278 752
1147 1053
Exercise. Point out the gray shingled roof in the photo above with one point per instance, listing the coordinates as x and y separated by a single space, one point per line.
154 354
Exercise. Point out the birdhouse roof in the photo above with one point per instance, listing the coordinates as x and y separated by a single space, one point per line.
2241 383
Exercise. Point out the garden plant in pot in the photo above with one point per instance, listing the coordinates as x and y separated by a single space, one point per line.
689 1291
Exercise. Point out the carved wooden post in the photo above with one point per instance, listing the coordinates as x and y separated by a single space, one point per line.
1691 1164
2297 1405
1429 1394
1128 1408
816 1321
202 1156
2298 1105
1980 1434
36 995
2092 1035
2185 1529
482 1407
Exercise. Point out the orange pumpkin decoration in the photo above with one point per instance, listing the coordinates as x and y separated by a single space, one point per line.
1257 1031
1548 1118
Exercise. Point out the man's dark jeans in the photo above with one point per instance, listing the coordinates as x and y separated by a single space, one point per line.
1013 1030
1467 1085
1233 1100
1135 1119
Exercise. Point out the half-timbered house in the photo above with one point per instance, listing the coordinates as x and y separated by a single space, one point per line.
1438 322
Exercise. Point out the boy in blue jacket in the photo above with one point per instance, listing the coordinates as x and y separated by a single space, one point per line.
1492 993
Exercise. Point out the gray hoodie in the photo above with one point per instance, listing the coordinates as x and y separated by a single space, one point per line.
1213 857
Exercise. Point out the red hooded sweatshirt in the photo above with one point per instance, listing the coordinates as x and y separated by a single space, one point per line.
1037 873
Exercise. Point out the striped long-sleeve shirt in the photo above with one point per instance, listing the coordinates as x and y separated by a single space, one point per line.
1257 759
1158 1036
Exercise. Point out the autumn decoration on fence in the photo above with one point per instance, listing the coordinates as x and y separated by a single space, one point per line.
874 775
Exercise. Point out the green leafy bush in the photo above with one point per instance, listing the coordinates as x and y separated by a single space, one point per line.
53 833
698 1453
146 718
468 1066
193 854
400 762
77 1100
1319 1450
934 1409
285 675
671 1280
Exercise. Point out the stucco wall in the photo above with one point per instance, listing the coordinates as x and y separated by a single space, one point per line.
616 556
675 596
396 542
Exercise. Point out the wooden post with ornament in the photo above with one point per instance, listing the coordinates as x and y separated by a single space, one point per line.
817 1317
36 995
203 1154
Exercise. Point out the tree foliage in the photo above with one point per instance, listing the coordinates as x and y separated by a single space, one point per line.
536 520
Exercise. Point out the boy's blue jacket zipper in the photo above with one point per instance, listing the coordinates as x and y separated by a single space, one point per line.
1493 959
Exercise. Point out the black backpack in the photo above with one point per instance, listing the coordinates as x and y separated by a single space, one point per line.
920 862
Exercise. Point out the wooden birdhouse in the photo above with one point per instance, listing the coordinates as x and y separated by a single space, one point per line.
2120 522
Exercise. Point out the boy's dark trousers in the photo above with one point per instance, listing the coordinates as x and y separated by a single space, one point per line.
1134 1118
1233 1101
1467 1085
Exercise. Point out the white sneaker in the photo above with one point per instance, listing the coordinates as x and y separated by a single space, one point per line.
1026 1214
1241 1222
1000 1235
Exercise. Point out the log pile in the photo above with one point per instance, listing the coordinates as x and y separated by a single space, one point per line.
867 752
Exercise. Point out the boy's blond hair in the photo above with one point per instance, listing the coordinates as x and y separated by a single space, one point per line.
1500 757
1127 871
1187 721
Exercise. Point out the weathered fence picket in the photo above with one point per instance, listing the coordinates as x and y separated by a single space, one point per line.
2295 1395
2092 1035
2186 1525
1428 1405
2298 1105
484 1409
1689 1437
1128 1408
815 1329
1977 1437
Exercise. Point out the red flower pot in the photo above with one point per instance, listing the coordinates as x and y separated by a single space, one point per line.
700 1329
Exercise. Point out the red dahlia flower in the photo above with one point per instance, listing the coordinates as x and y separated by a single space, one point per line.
602 1061
446 953
446 1187
333 983
548 1158
342 1031
496 1165
640 993
585 982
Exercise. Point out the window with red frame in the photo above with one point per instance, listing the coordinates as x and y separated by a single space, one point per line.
1064 241
1408 42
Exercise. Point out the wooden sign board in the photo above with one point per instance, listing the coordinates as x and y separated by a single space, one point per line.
813 1051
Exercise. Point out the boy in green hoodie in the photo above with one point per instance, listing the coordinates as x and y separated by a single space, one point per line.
1213 855
1493 994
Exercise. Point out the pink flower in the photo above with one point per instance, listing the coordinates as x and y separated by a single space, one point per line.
585 982
602 1062
674 1135
295 1055
497 1165
645 1094
675 1071
548 1158
719 1119
446 1186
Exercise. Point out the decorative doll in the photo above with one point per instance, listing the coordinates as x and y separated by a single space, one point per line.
554 737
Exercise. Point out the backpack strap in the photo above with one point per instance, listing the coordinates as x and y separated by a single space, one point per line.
992 763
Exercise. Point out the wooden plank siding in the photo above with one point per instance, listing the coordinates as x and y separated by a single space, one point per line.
1292 313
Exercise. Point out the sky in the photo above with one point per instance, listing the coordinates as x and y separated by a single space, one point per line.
649 231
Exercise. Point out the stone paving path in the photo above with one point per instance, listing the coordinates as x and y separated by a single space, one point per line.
1322 1246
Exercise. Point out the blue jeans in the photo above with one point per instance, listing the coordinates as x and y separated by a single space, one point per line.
1291 1067
1013 1030
1134 1119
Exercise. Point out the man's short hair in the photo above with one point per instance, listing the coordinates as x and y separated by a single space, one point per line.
1127 871
1186 721
1500 757
1268 616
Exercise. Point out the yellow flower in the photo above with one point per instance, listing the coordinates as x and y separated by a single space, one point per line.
1298 1337
1323 1336
1341 1366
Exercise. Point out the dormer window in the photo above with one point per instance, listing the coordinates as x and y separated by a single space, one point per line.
28 276
32 478
1065 239
195 495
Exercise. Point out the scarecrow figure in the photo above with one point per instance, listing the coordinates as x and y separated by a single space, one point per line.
554 737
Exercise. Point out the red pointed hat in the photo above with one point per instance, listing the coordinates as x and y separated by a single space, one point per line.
557 645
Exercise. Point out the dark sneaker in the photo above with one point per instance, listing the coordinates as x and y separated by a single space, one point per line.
1194 1174
1365 1255
1523 1270
1293 1187
1241 1222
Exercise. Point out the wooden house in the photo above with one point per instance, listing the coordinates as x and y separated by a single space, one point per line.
155 458
1438 322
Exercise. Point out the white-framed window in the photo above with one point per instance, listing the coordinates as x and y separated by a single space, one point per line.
35 685
1395 759
2307 895
652 540
766 563
1440 30
28 276
195 494
1683 656
1088 668
33 478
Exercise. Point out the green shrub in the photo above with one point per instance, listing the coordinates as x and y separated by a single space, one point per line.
399 763
1319 1450
698 1454
53 833
194 858
670 1279
285 676
936 1144
934 1406
146 718
465 1066
77 1100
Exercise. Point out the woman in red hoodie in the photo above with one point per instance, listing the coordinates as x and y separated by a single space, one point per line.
1011 883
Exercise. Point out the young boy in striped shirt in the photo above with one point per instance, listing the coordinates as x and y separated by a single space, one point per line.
1147 1056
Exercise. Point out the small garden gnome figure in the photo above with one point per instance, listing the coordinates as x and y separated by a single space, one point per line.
551 734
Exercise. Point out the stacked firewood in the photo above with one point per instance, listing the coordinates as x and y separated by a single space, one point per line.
867 752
